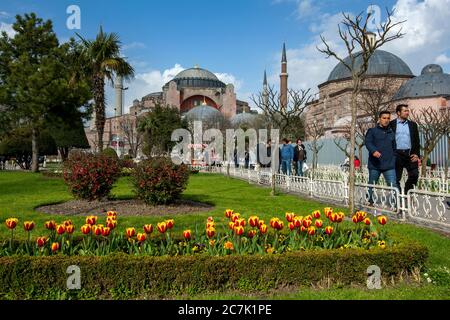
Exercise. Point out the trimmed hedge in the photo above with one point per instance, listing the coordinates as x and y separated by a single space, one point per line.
121 276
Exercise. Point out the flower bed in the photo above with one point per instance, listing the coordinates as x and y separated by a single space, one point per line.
235 254
235 235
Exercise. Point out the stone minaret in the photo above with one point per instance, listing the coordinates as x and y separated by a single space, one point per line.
283 80
118 87
265 93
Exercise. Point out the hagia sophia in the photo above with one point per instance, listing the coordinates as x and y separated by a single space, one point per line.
199 94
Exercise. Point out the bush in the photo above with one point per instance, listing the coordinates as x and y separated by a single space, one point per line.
159 180
90 176
122 276
110 152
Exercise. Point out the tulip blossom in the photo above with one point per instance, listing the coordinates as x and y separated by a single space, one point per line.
50 225
141 237
251 233
228 245
41 241
111 214
235 216
303 229
253 221
67 223
162 227
318 223
170 223
239 222
112 224
11 223
211 224
55 246
131 232
263 228
231 225
228 213
367 221
187 234
97 229
298 221
329 230
311 231
86 229
289 216
210 232
91 220
316 214
309 217
70 229
148 228
355 219
327 211
382 220
106 231
60 229
28 225
291 226
307 223
239 230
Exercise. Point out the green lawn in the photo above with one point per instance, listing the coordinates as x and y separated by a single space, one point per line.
21 192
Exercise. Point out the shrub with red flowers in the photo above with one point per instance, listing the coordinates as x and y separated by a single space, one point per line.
159 180
90 176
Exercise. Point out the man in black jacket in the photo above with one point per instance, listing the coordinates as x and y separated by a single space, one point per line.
299 157
408 147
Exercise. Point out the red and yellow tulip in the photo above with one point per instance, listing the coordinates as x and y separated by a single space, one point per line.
70 228
329 230
239 230
307 223
11 223
162 227
141 237
228 213
291 226
50 225
382 220
131 232
28 225
289 216
210 232
187 234
228 245
316 214
253 221
106 231
235 216
263 228
41 241
97 229
311 231
148 228
86 229
55 246
60 229
91 220
367 221
170 223
251 233
318 223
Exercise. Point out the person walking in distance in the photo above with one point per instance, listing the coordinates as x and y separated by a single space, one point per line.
381 144
408 147
286 156
299 157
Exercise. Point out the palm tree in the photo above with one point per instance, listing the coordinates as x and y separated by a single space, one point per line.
101 61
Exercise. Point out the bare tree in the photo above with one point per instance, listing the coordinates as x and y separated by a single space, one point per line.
356 36
315 132
279 116
433 124
343 143
133 136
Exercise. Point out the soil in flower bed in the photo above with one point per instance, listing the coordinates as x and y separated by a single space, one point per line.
124 208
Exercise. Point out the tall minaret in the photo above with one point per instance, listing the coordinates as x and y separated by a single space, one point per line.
283 80
265 93
118 87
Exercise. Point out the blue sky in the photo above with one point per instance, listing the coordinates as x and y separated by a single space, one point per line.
237 39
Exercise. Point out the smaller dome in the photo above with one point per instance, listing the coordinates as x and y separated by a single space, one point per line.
432 82
432 69
243 119
204 113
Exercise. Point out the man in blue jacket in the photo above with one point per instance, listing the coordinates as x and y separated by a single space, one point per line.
380 142
286 157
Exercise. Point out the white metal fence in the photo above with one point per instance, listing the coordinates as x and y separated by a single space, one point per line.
422 207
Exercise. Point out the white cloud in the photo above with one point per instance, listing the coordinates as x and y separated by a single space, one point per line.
7 27
134 45
442 59
229 78
306 9
427 40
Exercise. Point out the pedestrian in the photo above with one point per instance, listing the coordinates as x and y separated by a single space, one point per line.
381 143
299 157
408 147
357 163
286 156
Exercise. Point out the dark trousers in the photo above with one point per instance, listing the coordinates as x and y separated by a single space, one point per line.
403 160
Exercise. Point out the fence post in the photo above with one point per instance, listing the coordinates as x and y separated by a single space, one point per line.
272 183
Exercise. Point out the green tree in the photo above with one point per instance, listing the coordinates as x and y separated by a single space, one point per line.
100 61
157 127
36 90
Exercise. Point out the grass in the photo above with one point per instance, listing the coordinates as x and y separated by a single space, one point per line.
21 192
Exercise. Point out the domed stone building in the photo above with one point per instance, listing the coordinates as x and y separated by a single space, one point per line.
333 101
196 92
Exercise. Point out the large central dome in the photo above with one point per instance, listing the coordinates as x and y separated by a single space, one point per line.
381 63
197 78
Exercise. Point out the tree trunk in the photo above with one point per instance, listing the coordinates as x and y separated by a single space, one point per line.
424 163
34 150
351 180
448 158
99 98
